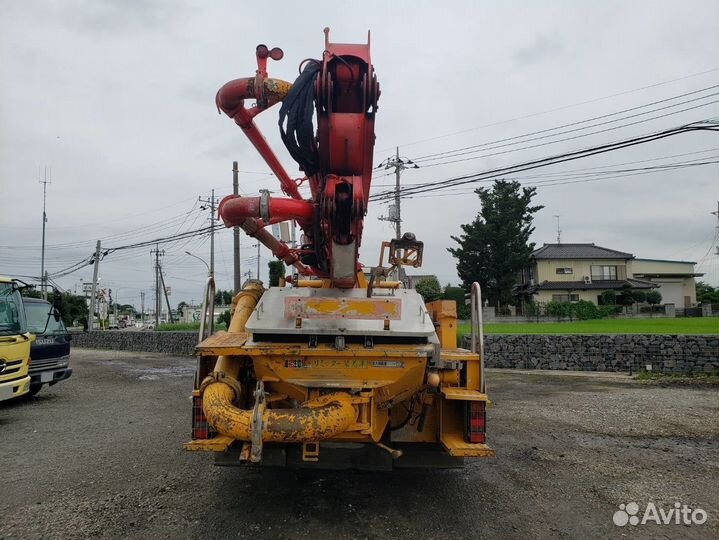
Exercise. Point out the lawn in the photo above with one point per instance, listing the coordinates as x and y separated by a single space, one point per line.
690 325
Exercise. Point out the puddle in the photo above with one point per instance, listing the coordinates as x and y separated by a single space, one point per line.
153 374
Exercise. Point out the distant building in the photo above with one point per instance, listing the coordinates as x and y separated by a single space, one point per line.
675 279
573 272
413 280
192 314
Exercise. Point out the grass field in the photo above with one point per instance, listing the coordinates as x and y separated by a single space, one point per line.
691 325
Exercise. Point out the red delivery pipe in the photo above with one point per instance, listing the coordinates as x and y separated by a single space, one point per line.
230 100
234 209
279 249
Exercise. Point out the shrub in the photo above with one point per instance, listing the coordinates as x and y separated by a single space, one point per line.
276 271
559 310
585 310
534 309
653 298
608 298
430 289
225 318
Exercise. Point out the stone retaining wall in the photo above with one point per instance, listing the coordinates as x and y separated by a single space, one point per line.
142 341
664 353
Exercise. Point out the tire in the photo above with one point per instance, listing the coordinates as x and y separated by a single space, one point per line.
34 390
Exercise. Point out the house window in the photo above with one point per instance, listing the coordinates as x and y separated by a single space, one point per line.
564 271
604 272
565 298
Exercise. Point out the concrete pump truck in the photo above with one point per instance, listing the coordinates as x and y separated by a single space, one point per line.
336 368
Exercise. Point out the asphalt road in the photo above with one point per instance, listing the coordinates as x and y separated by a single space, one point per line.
100 456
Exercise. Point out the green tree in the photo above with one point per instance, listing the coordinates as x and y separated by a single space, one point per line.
277 271
626 298
225 318
495 246
429 288
706 294
223 298
74 307
458 295
608 298
653 298
638 296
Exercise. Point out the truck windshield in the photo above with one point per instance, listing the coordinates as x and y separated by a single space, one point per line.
37 317
12 314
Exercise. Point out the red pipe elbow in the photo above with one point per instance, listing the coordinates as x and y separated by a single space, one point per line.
234 210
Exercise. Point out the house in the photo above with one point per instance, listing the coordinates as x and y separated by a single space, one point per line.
573 272
675 279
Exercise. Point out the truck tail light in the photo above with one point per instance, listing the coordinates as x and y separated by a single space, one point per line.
200 428
476 421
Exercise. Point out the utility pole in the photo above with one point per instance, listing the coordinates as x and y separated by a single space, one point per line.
211 202
258 261
717 227
142 307
43 273
236 231
559 231
167 298
394 214
158 304
93 296
397 172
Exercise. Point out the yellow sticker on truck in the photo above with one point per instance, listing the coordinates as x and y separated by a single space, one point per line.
343 308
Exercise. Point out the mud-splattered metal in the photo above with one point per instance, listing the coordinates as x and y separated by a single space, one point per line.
343 308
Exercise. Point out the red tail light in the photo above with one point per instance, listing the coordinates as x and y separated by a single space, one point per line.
476 420
200 428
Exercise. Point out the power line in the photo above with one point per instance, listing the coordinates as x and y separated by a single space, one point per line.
394 213
563 139
559 182
561 108
493 144
591 170
156 241
552 160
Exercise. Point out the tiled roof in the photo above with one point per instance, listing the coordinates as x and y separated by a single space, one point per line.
595 284
578 251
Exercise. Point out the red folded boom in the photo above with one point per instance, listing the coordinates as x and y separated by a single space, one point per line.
339 93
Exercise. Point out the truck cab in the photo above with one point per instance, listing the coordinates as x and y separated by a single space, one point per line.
50 353
15 341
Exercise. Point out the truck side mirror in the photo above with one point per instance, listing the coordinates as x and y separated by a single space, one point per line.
58 302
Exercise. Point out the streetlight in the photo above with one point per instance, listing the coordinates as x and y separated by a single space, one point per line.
208 302
209 272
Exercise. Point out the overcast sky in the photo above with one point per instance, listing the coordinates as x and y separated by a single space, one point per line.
117 100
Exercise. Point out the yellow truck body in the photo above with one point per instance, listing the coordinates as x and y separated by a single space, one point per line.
14 342
321 379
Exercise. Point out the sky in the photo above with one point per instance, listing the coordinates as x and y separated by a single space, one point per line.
116 100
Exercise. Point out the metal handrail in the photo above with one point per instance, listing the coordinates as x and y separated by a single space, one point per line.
208 304
478 328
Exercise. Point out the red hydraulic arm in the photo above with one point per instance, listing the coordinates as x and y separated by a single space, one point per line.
339 94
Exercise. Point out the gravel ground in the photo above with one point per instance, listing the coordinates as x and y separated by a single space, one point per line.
99 456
